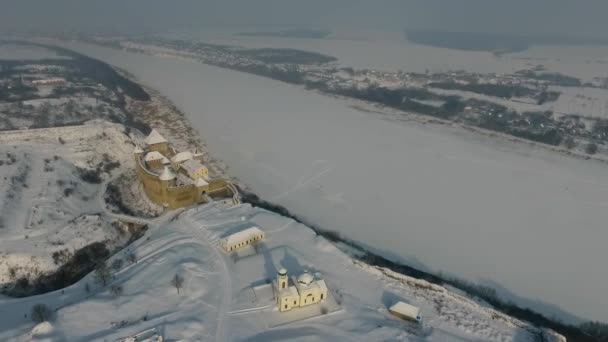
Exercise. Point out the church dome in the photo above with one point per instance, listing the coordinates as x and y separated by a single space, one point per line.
282 271
305 278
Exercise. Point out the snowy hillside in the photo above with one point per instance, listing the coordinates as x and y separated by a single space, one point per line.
47 208
227 297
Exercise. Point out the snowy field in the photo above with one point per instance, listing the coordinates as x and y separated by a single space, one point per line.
519 218
218 302
45 206
13 51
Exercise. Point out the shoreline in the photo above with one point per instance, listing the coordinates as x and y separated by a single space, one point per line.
373 259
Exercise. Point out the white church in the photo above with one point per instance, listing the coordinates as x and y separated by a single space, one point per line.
306 290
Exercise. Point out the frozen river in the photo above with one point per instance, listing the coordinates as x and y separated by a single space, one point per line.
530 222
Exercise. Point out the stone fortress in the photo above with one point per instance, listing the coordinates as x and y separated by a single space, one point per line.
175 179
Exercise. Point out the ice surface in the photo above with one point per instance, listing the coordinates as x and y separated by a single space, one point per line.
526 220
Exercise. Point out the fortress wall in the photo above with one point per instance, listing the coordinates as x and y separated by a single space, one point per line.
182 196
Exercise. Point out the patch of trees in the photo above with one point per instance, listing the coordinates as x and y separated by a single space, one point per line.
41 313
90 176
96 70
292 33
406 100
553 78
496 90
530 125
113 197
286 56
82 262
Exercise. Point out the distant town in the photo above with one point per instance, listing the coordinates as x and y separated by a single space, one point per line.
532 104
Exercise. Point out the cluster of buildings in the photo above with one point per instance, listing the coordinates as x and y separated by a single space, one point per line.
175 179
305 289
56 81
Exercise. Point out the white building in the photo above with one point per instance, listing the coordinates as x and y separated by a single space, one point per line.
242 239
194 169
49 82
406 311
306 291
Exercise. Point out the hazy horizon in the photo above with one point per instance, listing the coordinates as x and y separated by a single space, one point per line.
542 17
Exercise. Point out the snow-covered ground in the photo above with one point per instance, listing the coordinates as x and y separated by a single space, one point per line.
217 301
520 218
45 206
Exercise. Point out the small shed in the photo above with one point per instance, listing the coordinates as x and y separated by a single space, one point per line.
406 311
242 239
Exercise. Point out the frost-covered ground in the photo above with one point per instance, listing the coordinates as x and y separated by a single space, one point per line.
217 300
436 197
45 206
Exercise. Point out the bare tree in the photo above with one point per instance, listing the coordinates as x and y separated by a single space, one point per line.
41 313
102 274
177 282
132 257
117 264
116 290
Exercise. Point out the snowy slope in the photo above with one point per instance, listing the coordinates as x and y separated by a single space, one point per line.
218 301
45 206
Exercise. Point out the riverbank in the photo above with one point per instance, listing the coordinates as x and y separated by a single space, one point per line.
416 193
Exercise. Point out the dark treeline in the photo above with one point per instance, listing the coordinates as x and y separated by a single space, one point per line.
286 56
553 78
587 332
292 33
95 69
496 90
77 266
475 41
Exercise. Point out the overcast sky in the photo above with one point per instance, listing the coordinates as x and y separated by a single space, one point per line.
575 17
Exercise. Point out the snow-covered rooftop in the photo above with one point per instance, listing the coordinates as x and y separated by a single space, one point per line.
305 278
137 150
155 138
181 157
201 182
406 310
192 165
241 236
154 155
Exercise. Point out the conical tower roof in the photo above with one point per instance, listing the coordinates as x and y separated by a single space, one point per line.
155 138
167 174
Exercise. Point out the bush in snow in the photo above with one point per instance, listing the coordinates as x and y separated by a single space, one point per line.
116 290
591 148
102 274
41 313
117 264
